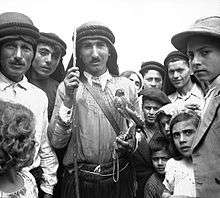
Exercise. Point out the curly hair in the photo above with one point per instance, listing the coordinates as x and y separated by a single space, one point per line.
17 126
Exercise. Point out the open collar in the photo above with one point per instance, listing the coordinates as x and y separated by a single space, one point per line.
6 83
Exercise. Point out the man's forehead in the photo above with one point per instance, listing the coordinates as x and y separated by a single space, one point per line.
151 103
152 73
201 42
48 47
17 41
178 64
93 41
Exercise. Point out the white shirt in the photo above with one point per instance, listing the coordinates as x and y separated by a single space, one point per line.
179 177
178 102
36 100
65 113
194 96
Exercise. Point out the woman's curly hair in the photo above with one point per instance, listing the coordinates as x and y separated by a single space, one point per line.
17 126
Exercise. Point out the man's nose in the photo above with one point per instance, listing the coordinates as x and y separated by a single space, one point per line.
151 111
182 138
153 83
18 53
94 51
49 58
195 62
160 161
175 74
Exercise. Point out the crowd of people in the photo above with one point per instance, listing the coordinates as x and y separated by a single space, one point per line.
89 131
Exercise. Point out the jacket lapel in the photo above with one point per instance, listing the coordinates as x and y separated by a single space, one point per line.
209 116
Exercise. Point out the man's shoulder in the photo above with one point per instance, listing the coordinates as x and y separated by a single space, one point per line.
32 89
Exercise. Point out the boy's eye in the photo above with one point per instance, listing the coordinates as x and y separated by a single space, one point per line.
176 135
188 132
204 52
43 52
26 48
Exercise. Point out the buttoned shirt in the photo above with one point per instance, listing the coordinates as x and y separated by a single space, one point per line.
36 100
178 101
96 135
194 96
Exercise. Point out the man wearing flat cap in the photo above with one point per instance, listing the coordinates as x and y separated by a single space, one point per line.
104 169
153 74
47 70
152 100
188 91
201 43
18 41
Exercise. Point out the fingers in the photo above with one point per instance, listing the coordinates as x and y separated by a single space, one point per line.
71 80
123 145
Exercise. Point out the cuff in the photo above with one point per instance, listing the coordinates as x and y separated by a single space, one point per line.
65 114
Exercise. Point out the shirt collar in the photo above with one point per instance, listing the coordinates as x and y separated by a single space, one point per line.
5 83
195 91
102 80
215 82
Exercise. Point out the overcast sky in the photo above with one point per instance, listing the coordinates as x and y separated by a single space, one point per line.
143 28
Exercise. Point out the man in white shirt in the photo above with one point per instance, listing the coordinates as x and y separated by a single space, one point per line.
188 89
18 39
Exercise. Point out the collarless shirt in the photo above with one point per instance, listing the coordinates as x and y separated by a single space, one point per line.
36 100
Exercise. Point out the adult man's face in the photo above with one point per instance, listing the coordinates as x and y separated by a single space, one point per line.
46 59
16 57
179 73
153 78
94 54
150 109
204 57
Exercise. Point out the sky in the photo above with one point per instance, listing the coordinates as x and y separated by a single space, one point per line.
142 28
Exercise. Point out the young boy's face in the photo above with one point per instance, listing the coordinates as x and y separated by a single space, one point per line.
204 57
183 135
159 160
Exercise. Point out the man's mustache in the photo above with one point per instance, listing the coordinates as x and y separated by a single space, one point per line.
94 60
16 62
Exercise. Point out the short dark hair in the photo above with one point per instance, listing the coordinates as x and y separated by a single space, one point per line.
17 142
162 143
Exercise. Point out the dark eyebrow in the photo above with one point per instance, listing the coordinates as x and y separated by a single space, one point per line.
203 47
45 49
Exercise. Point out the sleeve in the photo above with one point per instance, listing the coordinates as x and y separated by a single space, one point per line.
48 162
149 190
59 130
169 176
